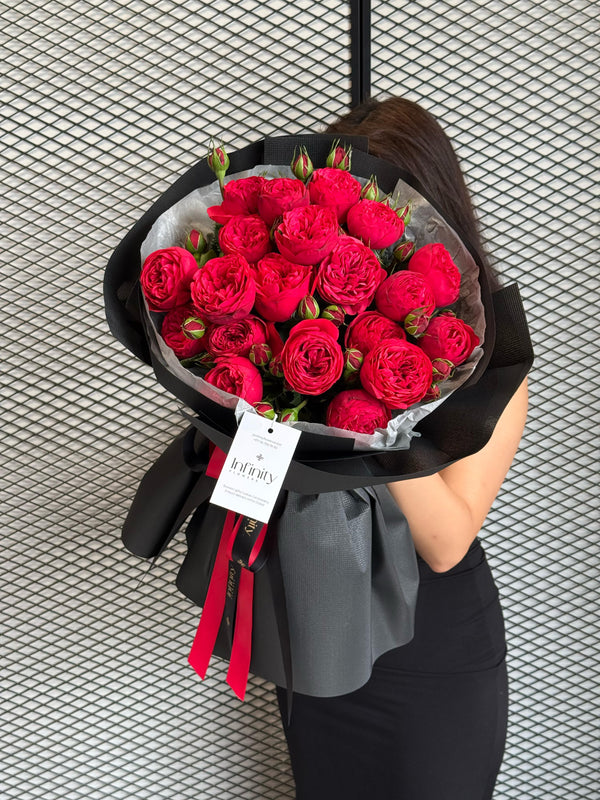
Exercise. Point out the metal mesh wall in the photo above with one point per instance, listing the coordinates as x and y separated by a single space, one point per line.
515 85
103 104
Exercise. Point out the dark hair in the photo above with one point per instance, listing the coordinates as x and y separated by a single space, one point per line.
408 136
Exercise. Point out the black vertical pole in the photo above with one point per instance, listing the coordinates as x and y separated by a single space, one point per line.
360 51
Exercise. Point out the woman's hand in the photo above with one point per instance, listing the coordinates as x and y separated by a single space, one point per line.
445 511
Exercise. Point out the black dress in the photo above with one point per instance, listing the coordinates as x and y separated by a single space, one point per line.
430 723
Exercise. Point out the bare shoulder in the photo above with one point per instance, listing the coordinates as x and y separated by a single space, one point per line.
477 478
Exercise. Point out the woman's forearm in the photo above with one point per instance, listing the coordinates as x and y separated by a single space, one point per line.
445 511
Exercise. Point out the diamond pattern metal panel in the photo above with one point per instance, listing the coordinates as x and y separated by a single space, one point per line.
515 85
103 105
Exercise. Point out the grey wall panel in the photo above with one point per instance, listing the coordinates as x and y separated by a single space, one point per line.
515 85
103 105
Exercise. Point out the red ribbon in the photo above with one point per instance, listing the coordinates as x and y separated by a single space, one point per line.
214 605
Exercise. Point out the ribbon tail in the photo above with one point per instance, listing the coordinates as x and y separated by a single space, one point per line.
239 665
212 613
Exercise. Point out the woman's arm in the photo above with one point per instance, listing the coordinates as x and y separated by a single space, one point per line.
445 511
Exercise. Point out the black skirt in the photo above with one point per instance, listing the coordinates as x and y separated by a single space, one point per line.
430 723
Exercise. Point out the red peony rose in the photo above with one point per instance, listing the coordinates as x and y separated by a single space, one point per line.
224 289
334 188
402 293
236 375
248 236
172 332
312 360
279 195
374 223
166 276
240 197
396 372
370 328
357 410
306 235
280 285
434 262
448 337
237 337
349 275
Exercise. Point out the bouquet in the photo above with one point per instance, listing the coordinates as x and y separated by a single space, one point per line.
308 301
301 295
341 302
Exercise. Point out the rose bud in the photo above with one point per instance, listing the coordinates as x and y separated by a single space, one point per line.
404 251
416 321
260 354
335 313
450 338
433 393
370 190
339 157
291 414
218 161
353 361
195 243
405 213
275 367
193 328
435 263
265 409
442 369
308 308
357 410
302 166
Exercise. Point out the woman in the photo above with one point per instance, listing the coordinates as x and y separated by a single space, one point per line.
430 723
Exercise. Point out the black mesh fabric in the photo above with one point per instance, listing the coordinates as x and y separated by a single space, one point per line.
103 105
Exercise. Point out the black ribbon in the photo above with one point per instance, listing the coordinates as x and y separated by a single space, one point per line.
246 537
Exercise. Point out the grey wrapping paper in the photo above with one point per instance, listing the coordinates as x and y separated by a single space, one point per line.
350 575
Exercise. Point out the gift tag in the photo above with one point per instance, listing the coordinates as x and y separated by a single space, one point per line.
255 467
